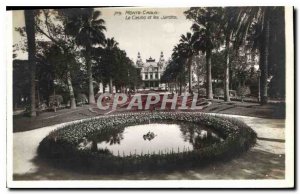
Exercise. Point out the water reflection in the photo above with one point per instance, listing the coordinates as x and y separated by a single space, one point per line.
154 138
149 136
199 136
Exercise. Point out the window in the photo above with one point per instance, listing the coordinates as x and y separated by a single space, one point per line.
146 76
151 77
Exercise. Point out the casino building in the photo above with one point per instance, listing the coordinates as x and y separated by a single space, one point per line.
151 71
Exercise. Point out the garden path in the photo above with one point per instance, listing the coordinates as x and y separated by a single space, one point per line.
266 160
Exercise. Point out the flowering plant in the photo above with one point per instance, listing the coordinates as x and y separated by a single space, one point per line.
62 144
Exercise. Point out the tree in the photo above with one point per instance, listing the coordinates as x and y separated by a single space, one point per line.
186 50
105 62
199 69
87 27
218 68
175 71
53 65
257 24
52 25
21 83
180 58
30 31
111 46
276 67
114 67
206 35
229 23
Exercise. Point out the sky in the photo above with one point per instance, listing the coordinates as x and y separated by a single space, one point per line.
135 30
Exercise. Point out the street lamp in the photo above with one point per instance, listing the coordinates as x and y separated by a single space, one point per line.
258 75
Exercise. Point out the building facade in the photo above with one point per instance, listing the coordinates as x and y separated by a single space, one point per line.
151 71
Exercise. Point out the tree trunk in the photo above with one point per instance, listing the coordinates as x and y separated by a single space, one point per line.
198 83
103 88
54 95
30 31
180 84
226 71
110 85
176 85
264 64
90 75
230 77
190 62
91 87
71 91
209 91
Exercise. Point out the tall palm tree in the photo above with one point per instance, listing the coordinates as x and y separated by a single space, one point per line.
206 36
229 18
255 24
30 31
187 51
89 29
175 70
230 24
110 44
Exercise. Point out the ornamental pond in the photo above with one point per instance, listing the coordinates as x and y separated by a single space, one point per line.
151 138
151 141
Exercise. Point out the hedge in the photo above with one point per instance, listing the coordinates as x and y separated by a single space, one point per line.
60 147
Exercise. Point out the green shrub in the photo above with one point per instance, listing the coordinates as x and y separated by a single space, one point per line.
243 91
218 92
61 145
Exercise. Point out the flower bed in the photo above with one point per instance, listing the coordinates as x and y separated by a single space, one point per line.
61 146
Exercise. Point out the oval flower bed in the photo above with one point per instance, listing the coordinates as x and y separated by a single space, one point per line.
61 146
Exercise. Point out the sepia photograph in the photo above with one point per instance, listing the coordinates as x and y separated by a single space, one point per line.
150 97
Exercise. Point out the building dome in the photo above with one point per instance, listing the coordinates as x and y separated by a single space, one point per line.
139 61
151 71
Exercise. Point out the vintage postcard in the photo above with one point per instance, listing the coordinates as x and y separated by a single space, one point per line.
150 97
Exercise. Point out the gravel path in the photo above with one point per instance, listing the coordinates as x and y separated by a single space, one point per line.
266 160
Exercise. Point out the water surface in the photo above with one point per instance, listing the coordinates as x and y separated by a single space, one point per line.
152 138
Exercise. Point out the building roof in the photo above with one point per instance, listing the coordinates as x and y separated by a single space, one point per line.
150 59
150 62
